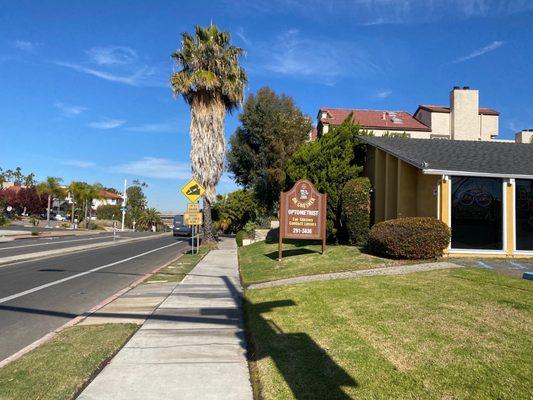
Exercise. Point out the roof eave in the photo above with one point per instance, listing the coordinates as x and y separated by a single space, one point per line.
429 171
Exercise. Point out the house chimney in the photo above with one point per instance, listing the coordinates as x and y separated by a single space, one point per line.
384 115
524 136
464 114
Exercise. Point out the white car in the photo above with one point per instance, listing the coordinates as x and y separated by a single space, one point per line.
60 217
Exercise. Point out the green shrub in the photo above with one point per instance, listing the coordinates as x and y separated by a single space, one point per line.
3 220
355 199
35 233
108 211
411 238
34 220
239 238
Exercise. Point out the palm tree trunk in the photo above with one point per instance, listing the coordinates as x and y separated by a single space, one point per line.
208 145
48 211
207 227
86 220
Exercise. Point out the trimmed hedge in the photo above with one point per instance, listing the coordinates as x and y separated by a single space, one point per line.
239 238
411 238
355 199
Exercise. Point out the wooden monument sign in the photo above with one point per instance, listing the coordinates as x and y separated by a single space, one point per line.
302 214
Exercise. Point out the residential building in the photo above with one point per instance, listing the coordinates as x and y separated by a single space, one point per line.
482 190
107 198
463 119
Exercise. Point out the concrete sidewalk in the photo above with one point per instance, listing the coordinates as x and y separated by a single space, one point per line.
192 347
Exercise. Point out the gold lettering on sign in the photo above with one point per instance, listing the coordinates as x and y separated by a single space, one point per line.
303 205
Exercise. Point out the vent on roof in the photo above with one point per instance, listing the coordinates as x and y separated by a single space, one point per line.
396 120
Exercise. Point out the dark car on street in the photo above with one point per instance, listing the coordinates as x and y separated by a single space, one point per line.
178 228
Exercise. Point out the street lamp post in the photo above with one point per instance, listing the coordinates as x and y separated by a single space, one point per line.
125 199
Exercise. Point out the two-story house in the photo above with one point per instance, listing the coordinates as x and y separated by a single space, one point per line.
463 119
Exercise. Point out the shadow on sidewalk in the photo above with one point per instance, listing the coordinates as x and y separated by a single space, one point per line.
308 370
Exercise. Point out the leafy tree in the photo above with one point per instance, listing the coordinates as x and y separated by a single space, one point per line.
136 202
233 211
30 200
329 163
212 82
272 129
52 189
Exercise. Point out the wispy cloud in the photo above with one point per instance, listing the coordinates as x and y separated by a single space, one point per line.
379 12
117 64
78 163
24 45
154 127
153 167
112 55
479 52
107 124
69 110
383 94
140 77
296 56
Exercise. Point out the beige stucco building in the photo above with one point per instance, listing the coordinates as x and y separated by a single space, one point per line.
463 119
484 192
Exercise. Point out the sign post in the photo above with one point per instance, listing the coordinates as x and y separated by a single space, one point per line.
193 190
302 215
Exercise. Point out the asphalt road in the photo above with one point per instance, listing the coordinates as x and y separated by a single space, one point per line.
17 247
39 296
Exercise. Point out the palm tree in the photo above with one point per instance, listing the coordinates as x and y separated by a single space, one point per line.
149 218
51 187
212 82
88 194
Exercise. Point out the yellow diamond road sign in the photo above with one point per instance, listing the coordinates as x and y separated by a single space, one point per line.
193 190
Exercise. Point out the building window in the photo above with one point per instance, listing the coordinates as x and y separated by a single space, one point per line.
477 213
524 214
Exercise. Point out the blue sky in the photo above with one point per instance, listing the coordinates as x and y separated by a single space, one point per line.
84 94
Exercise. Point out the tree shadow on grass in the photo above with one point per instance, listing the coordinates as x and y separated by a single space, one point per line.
307 369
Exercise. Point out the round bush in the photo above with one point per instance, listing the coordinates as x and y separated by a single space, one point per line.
239 238
411 238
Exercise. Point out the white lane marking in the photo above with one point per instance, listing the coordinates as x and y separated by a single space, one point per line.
49 284
53 242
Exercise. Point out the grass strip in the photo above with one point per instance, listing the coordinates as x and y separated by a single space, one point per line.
176 271
59 369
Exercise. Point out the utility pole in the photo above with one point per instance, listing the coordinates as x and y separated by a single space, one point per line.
125 199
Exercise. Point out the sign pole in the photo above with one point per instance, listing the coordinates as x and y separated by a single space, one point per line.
324 210
280 234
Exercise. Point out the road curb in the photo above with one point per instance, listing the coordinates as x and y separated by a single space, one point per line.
74 249
86 314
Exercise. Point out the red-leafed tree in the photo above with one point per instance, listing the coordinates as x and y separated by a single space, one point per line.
29 198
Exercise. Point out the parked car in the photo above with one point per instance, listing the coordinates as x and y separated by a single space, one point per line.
178 228
59 217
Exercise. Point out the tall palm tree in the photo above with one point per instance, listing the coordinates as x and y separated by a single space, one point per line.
51 187
88 194
149 218
212 82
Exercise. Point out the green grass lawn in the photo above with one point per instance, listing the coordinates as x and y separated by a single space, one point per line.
59 368
258 261
447 334
176 271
